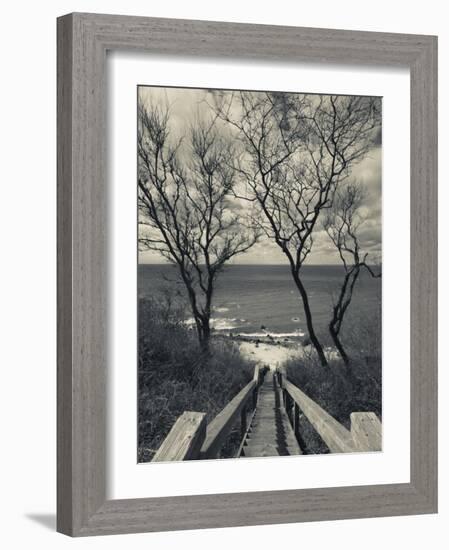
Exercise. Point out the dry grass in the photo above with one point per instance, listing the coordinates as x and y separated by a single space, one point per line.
174 376
338 390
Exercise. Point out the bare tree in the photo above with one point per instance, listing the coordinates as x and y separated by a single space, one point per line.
186 205
342 224
297 149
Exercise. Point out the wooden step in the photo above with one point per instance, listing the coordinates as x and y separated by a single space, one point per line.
270 432
267 449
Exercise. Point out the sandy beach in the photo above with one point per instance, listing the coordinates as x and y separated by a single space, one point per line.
273 354
270 355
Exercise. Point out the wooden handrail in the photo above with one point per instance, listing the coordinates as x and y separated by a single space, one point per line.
184 440
190 439
336 436
366 429
221 425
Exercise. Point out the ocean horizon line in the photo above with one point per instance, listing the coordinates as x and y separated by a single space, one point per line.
251 264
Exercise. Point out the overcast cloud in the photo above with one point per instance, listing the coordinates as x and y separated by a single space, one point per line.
186 104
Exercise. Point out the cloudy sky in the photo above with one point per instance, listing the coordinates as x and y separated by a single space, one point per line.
186 104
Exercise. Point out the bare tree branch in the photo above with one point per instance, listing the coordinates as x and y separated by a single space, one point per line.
342 223
185 194
296 150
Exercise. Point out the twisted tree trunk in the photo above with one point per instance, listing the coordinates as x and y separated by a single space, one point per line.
313 337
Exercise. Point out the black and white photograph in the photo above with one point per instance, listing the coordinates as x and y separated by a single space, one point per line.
220 285
259 273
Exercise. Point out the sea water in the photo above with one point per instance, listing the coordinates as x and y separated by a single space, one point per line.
256 300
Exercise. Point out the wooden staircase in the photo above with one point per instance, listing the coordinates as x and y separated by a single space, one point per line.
269 410
270 432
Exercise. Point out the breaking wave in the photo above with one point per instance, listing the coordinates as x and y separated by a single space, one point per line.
274 335
220 324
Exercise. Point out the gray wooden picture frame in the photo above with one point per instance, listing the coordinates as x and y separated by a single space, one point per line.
83 40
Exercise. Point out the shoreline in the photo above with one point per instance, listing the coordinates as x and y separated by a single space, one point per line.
288 342
272 352
266 350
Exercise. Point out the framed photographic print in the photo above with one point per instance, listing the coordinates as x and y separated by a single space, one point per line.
246 274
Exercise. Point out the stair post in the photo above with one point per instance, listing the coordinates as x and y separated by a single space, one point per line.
243 423
296 420
255 395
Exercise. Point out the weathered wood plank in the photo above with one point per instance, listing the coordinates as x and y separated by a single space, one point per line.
366 431
271 433
257 374
221 425
336 436
184 439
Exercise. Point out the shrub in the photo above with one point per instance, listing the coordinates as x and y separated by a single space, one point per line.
174 376
336 389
